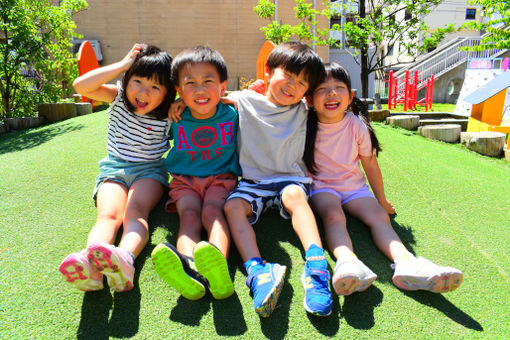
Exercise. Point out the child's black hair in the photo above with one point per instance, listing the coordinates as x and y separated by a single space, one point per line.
357 107
152 63
296 56
198 54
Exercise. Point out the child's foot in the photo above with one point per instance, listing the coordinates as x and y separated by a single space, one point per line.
351 275
213 266
420 273
77 270
266 284
178 271
114 263
315 280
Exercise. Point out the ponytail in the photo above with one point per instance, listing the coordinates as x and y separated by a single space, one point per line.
360 110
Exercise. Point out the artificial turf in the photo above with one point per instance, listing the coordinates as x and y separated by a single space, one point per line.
453 207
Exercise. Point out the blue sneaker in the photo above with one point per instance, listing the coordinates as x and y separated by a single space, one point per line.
265 285
315 280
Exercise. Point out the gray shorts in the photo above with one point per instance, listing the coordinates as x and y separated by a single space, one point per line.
262 196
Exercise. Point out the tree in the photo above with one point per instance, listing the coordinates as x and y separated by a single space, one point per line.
499 13
35 52
374 28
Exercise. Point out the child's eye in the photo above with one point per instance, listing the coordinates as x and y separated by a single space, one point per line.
155 88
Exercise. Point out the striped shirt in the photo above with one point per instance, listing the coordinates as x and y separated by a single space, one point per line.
135 138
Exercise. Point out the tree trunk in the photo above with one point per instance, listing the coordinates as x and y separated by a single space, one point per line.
363 57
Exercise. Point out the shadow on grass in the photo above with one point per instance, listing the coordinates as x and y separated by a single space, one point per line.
96 321
27 139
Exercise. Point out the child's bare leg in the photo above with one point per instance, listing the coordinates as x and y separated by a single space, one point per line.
315 278
111 204
351 275
303 220
189 209
376 218
214 221
329 208
410 273
143 195
237 211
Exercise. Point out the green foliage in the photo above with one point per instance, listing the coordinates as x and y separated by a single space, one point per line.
370 35
499 36
35 50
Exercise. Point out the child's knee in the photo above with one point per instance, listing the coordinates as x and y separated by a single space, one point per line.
211 212
293 195
235 205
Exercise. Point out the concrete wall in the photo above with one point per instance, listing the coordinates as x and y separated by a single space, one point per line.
230 26
345 59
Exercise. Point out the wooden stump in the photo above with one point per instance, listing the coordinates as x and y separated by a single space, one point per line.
54 112
408 122
3 128
485 142
20 123
378 115
83 108
444 132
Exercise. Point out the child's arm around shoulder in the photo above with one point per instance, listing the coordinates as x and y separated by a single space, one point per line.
374 176
94 85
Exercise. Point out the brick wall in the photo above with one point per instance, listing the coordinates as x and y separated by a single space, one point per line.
229 26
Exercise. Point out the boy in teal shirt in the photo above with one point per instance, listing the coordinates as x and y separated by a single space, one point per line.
204 165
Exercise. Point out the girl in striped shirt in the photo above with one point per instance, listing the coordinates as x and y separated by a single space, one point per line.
132 177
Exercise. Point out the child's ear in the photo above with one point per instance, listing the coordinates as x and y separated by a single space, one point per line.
308 99
178 89
268 74
223 88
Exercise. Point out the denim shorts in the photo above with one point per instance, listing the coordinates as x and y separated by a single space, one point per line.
116 169
347 196
262 196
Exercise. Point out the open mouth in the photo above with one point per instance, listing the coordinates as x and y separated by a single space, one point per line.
331 105
286 93
140 104
202 101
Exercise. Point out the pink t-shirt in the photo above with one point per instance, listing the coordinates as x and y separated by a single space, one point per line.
337 150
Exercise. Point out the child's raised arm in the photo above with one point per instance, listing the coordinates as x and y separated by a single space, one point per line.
374 176
94 85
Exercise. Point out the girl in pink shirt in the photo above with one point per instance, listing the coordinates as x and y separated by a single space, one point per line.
337 141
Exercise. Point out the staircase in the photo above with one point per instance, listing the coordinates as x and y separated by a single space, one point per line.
447 57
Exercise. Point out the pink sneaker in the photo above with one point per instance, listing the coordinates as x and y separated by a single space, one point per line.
114 263
77 270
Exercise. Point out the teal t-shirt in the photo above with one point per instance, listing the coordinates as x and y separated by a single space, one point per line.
205 147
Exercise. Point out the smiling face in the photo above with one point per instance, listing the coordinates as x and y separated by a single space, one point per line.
330 100
285 88
145 94
200 88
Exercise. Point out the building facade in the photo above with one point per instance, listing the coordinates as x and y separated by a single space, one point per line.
230 26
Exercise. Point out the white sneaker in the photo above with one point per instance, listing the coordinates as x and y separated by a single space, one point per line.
351 275
420 273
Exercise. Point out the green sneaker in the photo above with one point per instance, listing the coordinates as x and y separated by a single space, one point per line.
178 271
213 266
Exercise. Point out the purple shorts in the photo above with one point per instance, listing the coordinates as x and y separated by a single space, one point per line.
347 196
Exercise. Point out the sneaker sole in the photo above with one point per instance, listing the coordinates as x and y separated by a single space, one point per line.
212 265
441 283
350 283
268 305
77 274
169 267
106 262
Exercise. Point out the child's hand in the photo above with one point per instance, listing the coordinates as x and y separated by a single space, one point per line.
128 60
175 110
258 86
228 101
388 207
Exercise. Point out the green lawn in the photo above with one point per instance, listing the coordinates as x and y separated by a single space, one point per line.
452 207
436 107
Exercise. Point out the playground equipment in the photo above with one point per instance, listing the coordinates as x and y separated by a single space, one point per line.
266 48
491 106
87 61
405 91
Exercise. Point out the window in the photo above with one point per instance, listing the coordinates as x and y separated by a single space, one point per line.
470 13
